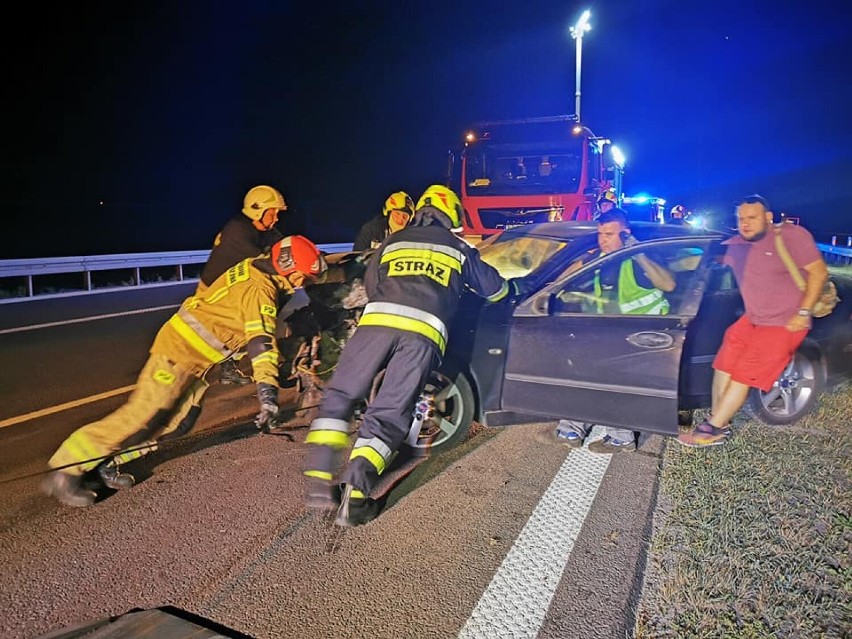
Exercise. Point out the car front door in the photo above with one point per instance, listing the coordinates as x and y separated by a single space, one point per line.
574 352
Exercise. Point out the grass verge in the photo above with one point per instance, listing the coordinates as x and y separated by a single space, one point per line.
753 539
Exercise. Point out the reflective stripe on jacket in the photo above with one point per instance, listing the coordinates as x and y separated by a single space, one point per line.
239 307
405 318
632 298
417 276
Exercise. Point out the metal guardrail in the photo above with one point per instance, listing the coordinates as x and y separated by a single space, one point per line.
133 262
137 262
836 253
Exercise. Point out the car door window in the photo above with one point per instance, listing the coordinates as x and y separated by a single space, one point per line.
721 278
595 287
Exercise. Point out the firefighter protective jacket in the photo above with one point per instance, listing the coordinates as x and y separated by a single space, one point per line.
416 277
372 234
238 240
239 309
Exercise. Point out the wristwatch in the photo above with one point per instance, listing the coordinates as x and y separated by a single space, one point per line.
804 312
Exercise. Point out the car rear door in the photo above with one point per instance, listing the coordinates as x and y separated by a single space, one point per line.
569 357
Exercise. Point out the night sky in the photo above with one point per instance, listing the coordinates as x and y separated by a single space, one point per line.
138 126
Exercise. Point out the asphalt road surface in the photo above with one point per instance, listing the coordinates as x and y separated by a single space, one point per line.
508 535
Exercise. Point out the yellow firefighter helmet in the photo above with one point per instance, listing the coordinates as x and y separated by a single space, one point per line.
399 201
260 198
445 200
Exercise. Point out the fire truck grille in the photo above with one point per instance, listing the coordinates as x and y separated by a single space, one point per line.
510 218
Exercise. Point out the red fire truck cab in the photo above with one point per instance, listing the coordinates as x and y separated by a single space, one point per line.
516 172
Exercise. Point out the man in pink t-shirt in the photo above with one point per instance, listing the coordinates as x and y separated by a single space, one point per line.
758 346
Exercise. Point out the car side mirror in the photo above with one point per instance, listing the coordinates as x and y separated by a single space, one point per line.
607 158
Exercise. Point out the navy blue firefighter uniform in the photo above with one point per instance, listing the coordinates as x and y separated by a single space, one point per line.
414 282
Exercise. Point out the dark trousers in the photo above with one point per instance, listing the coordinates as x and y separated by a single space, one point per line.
408 359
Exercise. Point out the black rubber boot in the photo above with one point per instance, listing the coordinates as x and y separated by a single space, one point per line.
355 511
67 489
230 373
113 478
321 494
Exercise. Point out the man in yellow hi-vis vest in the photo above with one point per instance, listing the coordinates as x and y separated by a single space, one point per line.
237 310
635 288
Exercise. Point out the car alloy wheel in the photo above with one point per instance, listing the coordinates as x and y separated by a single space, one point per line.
794 393
448 403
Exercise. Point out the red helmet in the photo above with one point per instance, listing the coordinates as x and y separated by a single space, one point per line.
297 253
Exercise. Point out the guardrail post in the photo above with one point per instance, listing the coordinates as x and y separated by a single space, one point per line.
88 280
138 277
180 272
29 285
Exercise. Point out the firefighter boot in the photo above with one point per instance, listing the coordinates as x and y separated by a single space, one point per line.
230 373
321 494
67 489
113 478
355 508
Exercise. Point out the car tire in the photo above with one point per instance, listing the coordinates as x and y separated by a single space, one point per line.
454 406
795 392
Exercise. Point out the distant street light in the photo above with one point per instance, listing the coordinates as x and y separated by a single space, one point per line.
577 32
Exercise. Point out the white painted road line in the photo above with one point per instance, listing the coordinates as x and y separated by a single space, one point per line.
517 599
32 327
56 409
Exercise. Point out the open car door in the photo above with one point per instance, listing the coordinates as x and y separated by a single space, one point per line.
573 353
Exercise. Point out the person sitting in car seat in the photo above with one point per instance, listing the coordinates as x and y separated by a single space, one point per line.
636 286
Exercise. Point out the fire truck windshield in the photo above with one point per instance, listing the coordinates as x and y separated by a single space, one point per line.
515 169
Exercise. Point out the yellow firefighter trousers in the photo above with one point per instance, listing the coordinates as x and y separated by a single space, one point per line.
165 393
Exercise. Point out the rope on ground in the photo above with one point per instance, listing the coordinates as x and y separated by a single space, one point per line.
146 445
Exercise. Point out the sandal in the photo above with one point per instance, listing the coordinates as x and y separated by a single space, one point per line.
705 434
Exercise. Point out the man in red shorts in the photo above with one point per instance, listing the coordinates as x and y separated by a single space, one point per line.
758 346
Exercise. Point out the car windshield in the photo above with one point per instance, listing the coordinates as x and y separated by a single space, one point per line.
518 255
514 169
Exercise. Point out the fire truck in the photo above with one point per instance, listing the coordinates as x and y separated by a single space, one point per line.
515 172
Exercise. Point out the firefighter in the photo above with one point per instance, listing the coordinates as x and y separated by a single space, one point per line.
396 214
245 235
238 310
606 202
414 283
677 214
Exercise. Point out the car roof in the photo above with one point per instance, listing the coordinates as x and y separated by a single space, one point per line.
571 229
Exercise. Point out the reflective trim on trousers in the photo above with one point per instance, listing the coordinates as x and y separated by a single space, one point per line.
329 438
374 450
327 431
319 474
143 449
